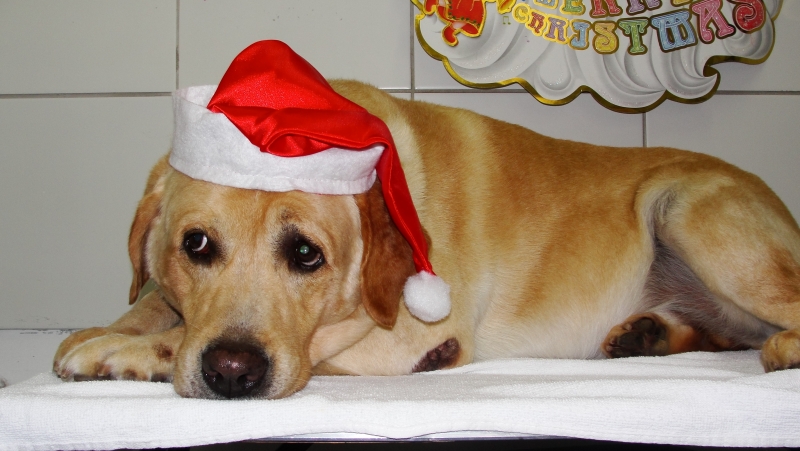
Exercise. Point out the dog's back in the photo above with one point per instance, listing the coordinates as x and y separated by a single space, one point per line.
549 244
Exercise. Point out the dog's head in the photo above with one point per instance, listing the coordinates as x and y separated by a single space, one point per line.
257 275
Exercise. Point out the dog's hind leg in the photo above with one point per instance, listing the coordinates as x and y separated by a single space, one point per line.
653 334
725 235
682 315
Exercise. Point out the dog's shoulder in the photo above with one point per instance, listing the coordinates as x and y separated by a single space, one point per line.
391 108
374 100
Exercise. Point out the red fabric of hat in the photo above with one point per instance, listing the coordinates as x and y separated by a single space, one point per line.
284 107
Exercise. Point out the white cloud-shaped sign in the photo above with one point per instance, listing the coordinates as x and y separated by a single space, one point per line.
631 54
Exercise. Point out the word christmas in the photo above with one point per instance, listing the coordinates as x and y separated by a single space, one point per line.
676 23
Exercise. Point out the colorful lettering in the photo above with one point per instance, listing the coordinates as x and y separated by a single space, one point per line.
537 23
636 6
547 3
674 30
580 39
556 31
599 11
635 29
749 15
574 7
605 40
711 11
521 13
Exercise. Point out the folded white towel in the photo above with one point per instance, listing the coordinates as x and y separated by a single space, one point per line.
721 399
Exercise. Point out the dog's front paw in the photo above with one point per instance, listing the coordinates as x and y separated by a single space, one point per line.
639 335
443 356
119 356
781 351
74 340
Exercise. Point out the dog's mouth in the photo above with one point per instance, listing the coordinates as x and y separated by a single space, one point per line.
235 369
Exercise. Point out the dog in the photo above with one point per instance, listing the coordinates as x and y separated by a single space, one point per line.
552 249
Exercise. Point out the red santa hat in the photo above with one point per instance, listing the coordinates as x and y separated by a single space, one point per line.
275 124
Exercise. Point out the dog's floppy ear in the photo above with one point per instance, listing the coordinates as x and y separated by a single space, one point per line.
149 207
387 260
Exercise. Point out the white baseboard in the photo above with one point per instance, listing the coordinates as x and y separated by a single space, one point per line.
26 353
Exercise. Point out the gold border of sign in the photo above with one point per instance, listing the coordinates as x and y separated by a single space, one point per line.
708 71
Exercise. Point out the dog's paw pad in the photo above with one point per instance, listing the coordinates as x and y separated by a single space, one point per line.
641 335
442 356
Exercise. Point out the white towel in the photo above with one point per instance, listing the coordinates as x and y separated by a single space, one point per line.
721 399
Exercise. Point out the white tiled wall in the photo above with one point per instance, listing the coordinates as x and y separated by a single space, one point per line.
84 112
760 133
364 39
87 46
73 170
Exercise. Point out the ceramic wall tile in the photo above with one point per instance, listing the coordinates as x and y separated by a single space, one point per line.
758 133
430 73
85 46
581 120
361 39
72 169
71 174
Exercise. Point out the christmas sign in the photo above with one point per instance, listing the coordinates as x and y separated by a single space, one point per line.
630 54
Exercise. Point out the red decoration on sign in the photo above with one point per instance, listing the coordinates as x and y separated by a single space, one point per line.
461 16
749 15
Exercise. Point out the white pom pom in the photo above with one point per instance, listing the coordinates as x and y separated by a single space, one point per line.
427 297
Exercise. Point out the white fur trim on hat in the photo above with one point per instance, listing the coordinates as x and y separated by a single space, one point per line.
207 146
427 297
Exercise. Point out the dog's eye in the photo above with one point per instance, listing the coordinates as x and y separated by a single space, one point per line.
197 243
198 247
307 256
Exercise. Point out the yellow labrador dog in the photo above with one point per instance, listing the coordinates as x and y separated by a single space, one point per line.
552 249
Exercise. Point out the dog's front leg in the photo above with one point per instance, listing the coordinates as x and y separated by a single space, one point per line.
141 345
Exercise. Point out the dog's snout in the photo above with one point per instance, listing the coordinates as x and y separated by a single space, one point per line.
234 369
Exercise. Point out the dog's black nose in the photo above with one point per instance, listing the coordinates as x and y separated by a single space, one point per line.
234 369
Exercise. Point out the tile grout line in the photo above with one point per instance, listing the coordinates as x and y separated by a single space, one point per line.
85 95
177 41
412 68
413 90
644 130
756 93
54 329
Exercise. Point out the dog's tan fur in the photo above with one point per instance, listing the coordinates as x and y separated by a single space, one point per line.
552 248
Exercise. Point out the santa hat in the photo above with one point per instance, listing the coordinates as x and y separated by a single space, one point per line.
275 124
